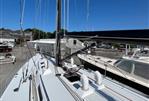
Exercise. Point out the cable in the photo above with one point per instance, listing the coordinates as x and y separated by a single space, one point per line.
75 8
88 4
68 5
46 15
1 17
22 7
64 17
40 17
88 13
35 18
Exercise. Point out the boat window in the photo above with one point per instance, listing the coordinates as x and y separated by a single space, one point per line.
142 69
125 65
117 62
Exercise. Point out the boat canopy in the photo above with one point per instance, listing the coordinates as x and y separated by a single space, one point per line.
134 67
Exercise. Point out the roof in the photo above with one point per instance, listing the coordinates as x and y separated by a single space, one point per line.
142 33
114 35
52 41
6 39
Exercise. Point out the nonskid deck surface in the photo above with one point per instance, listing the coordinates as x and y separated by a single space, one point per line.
61 89
54 88
114 91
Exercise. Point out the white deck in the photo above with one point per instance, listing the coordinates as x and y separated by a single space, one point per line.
56 91
10 95
113 91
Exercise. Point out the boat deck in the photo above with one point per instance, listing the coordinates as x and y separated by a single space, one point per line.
59 88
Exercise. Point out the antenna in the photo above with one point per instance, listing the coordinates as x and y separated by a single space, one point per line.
58 32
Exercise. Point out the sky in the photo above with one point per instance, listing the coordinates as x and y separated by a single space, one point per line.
84 15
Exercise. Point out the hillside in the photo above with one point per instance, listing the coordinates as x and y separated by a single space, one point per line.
7 33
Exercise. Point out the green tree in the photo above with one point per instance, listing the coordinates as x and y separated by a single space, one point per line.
51 35
63 31
37 34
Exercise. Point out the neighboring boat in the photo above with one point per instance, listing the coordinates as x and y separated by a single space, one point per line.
5 47
134 68
8 58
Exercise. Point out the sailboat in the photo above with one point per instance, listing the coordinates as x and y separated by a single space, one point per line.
44 78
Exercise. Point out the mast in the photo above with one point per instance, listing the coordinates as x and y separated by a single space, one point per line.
58 32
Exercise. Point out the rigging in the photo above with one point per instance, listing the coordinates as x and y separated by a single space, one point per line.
68 16
88 13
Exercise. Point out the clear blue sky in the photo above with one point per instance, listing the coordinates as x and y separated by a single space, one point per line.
103 14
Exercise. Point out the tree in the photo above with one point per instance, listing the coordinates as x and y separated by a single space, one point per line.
51 35
2 28
37 34
63 31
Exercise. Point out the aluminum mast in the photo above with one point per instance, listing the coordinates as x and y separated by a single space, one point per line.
58 32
